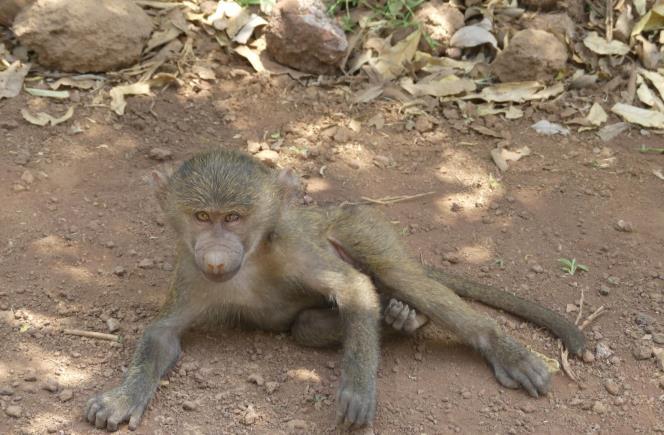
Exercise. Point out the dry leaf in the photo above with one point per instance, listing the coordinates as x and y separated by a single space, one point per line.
501 156
248 29
377 121
43 119
73 82
472 36
611 131
204 72
390 61
513 112
549 128
252 56
368 94
652 20
600 45
637 115
47 93
648 97
486 131
118 103
656 79
597 116
11 79
549 92
516 92
438 86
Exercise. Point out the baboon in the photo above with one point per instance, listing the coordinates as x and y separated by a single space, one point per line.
247 256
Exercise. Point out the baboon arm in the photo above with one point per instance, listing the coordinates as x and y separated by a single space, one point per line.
568 332
157 351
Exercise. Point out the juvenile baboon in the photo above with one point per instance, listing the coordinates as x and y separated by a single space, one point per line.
247 256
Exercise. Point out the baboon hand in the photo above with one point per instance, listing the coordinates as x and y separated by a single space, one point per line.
402 317
515 366
356 404
112 408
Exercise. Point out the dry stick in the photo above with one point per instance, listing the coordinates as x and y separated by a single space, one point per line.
564 362
388 200
578 317
608 21
598 312
92 334
564 353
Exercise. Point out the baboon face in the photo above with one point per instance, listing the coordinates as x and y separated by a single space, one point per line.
217 217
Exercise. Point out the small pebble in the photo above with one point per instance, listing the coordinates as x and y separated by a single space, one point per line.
271 387
66 395
452 257
599 407
14 411
255 378
6 391
27 177
537 268
51 385
624 226
146 263
612 387
189 405
112 324
658 337
250 417
588 356
160 154
604 290
527 408
602 350
120 271
641 352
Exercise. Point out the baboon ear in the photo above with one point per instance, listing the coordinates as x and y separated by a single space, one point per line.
159 181
291 184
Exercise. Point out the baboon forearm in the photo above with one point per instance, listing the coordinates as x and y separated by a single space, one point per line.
157 351
361 345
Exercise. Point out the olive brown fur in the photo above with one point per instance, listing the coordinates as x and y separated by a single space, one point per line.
248 256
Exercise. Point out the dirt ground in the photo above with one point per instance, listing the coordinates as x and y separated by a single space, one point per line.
72 239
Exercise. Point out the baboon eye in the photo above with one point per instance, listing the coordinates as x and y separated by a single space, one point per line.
231 217
202 216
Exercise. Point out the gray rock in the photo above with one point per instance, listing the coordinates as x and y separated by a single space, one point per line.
14 411
84 35
641 352
440 21
302 35
531 55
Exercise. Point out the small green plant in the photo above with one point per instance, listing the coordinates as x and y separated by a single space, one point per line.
500 263
571 266
392 13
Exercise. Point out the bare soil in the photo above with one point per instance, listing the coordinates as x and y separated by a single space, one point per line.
89 211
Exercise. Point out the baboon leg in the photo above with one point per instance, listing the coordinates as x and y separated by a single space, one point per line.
322 327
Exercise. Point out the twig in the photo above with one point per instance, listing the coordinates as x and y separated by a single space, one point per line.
564 362
578 316
92 334
388 200
598 312
608 20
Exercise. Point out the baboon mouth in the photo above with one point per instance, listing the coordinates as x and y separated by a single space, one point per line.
220 277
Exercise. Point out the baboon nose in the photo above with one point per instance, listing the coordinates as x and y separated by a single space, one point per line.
214 262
